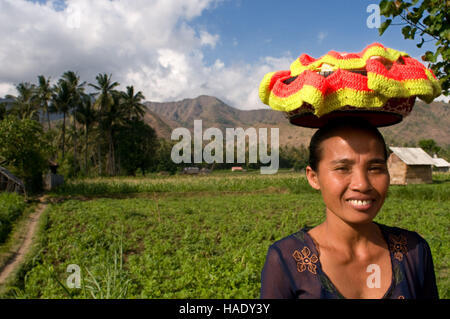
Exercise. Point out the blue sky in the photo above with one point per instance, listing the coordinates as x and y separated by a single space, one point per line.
175 49
250 29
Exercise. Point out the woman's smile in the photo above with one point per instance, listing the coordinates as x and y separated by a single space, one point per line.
361 205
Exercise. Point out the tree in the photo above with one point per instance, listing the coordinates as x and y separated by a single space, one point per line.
24 150
43 94
429 146
132 103
24 106
163 160
61 103
76 91
106 104
432 19
136 142
85 114
2 110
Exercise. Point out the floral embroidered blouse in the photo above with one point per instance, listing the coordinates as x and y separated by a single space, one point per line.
292 268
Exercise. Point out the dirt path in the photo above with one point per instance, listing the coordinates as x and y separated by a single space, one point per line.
19 255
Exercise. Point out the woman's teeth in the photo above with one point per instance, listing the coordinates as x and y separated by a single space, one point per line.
360 202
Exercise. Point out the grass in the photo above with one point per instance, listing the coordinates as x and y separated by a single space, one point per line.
196 236
11 207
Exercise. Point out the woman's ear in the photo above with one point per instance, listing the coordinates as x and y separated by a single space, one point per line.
312 177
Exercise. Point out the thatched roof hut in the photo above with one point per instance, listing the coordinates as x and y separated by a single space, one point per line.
410 165
10 183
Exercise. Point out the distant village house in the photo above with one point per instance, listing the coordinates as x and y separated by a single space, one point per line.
440 164
191 170
410 165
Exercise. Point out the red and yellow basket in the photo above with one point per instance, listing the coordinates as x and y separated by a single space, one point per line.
379 84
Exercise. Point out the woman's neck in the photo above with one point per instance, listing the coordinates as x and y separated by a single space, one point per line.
352 238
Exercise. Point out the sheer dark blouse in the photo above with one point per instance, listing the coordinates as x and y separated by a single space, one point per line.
292 268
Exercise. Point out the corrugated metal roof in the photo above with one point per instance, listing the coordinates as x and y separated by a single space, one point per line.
413 155
440 162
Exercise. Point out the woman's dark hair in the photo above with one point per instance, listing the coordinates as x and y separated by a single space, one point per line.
330 128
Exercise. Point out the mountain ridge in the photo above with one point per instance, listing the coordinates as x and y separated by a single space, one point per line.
425 121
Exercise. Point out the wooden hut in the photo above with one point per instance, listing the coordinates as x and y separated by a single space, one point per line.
52 179
409 165
440 164
10 183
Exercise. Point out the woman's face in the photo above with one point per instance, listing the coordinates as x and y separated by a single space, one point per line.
352 175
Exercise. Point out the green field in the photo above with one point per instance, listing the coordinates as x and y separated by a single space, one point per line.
12 206
196 236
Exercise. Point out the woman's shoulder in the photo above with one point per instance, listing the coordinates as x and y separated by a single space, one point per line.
286 245
294 238
401 240
393 231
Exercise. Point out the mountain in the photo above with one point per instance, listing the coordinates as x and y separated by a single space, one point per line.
425 121
215 113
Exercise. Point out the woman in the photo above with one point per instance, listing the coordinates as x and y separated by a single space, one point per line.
349 255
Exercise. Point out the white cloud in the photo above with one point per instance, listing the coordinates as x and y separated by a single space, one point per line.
6 89
208 39
152 45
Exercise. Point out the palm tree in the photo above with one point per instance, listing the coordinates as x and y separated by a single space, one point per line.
85 114
61 103
2 110
76 91
114 118
24 106
106 104
43 94
132 103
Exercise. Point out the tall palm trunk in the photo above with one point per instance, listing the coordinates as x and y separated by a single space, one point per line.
111 155
75 146
86 134
64 135
48 118
99 159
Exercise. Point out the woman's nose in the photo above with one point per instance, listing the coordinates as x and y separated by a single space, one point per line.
360 181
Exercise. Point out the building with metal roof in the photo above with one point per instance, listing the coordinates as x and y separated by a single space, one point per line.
440 164
410 165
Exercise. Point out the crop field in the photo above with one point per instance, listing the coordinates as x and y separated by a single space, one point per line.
195 236
11 207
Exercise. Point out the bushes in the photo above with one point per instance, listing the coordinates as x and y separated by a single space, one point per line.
23 150
11 207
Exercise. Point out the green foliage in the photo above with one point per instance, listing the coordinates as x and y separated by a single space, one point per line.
429 146
207 241
24 150
294 157
163 160
11 207
136 146
25 106
2 110
429 18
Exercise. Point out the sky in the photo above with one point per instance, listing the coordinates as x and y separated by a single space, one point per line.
176 49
